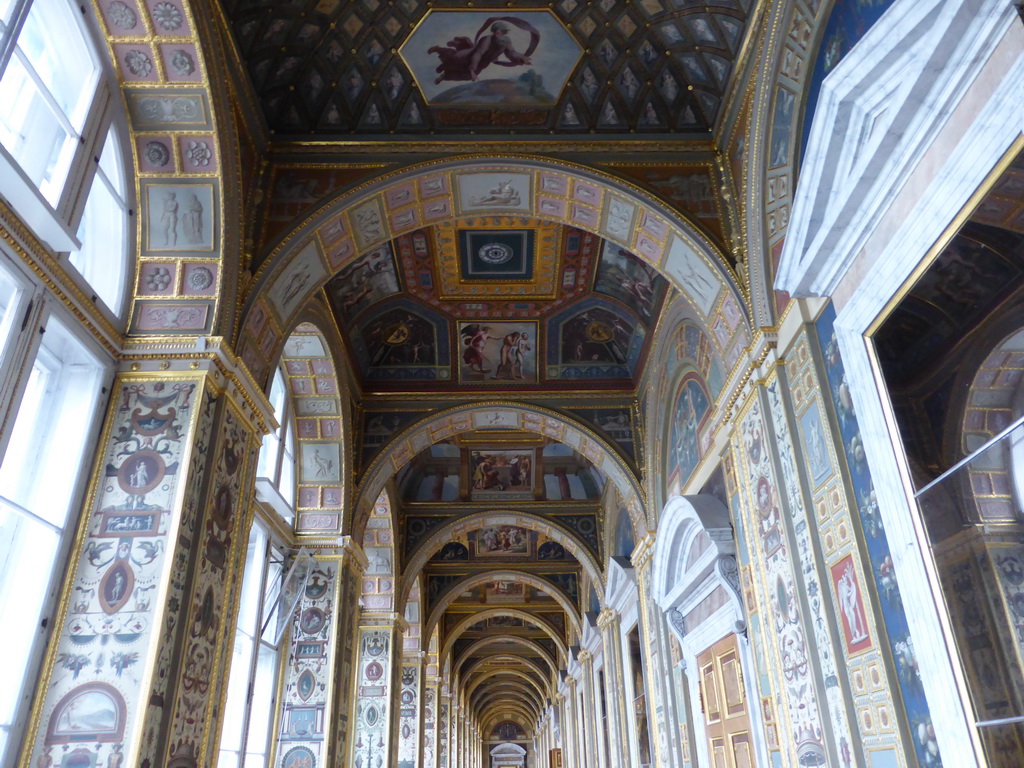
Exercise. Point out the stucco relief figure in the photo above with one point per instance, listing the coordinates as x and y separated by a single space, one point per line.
192 220
504 193
169 219
465 59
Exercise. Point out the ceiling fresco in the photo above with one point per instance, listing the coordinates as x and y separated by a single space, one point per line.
568 67
498 302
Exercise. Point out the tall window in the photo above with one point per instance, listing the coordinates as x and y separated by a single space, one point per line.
252 685
61 162
276 468
41 486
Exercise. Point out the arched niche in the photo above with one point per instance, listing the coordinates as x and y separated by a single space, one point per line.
688 369
377 592
695 582
320 424
455 590
435 192
433 543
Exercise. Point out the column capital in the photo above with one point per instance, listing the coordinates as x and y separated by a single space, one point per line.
570 681
643 553
212 355
353 555
559 697
606 617
585 657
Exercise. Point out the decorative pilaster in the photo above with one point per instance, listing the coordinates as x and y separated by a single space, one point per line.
142 631
354 564
572 725
429 741
410 713
589 714
618 733
655 666
375 722
443 729
311 696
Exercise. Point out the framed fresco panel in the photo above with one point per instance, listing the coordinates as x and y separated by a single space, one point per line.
501 475
846 583
497 353
502 541
481 57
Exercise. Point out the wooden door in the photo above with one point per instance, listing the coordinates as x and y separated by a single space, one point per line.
724 704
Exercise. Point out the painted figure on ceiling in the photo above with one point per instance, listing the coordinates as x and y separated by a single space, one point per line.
465 59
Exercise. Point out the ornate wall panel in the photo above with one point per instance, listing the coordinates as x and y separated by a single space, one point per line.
409 711
768 544
371 736
206 652
308 699
824 645
890 601
846 593
133 513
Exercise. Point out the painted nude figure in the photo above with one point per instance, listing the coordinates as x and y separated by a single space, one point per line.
465 59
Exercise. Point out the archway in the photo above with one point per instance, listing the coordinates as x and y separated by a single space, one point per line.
455 589
526 520
426 194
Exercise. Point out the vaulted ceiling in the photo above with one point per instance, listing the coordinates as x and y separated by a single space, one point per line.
568 67
499 303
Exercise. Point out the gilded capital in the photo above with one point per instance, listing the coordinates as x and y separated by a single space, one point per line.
585 657
644 553
606 617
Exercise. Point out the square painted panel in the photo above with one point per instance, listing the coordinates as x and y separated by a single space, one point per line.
504 254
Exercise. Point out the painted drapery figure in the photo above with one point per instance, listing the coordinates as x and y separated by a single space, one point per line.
465 59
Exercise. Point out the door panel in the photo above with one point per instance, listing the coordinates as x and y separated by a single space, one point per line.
724 704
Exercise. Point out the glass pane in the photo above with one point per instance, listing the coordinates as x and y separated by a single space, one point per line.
32 133
973 519
39 471
103 234
227 759
53 43
238 693
250 597
111 163
10 291
287 483
261 713
275 578
28 550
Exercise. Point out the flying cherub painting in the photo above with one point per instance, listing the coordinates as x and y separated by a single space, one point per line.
467 58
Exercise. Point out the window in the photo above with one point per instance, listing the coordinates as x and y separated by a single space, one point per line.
252 685
47 86
276 467
41 480
61 163
103 229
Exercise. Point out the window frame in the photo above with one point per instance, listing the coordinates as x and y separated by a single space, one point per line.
268 522
20 350
57 224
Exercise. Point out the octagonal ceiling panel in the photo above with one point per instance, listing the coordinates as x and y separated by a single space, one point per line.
366 66
499 302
